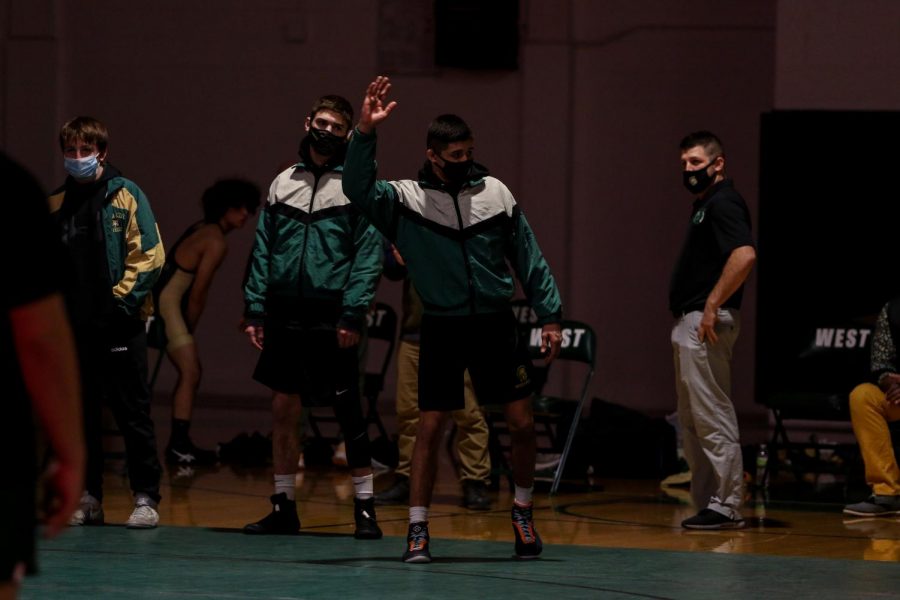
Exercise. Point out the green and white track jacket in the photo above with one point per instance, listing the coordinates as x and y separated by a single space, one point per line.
311 243
456 247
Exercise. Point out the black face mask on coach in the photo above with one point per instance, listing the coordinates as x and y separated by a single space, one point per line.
698 181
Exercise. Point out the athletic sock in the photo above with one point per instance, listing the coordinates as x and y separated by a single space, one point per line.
364 486
524 496
418 514
286 484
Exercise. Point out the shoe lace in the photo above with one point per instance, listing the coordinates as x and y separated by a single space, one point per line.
143 512
524 523
418 538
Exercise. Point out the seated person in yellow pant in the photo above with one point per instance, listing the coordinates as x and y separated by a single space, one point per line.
472 436
872 406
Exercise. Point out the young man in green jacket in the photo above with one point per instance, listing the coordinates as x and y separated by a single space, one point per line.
457 228
312 275
114 257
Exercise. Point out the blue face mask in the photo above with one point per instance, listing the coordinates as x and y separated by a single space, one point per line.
82 168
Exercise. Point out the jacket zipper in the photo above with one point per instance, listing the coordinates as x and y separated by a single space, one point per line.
465 252
312 201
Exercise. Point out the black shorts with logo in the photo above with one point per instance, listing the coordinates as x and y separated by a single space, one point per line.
301 356
487 345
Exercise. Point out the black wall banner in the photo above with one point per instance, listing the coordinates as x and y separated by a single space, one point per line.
829 247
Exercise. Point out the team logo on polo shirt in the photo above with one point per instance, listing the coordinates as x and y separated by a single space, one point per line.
698 216
522 376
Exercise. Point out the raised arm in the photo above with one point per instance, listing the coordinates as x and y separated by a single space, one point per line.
374 110
377 199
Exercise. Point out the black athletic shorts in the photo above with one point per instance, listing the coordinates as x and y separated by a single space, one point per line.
17 531
487 345
301 356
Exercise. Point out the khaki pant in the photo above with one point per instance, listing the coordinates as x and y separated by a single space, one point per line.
870 413
708 420
472 431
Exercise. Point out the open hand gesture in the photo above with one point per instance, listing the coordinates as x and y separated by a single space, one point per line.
374 110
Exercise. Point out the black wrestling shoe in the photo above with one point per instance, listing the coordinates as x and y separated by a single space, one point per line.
417 550
711 519
364 515
528 542
283 519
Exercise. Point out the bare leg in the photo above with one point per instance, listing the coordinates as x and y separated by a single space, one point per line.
285 432
520 418
187 363
424 459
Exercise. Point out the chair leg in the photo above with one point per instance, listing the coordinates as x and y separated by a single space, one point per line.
573 427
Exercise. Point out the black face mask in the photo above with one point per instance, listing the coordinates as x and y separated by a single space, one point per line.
698 181
457 172
325 142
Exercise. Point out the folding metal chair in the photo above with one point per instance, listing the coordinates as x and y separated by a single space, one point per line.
579 346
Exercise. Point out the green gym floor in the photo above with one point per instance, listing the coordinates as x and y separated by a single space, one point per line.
621 541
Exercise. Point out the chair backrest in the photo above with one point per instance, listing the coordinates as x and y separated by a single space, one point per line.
579 343
810 374
381 323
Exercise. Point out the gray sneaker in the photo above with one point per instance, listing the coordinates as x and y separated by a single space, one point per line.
875 506
144 515
89 512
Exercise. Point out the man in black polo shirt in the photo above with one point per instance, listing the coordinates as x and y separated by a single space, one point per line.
704 296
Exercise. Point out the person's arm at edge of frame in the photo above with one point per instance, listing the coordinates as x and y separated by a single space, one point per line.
45 345
735 272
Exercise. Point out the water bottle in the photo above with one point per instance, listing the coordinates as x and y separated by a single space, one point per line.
759 507
762 461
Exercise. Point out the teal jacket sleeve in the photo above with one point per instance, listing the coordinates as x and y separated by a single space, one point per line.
533 271
139 256
376 198
364 275
256 283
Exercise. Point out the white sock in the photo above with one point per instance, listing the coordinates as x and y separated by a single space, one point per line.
286 484
418 514
524 496
364 486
